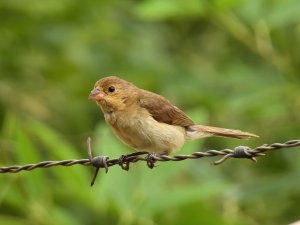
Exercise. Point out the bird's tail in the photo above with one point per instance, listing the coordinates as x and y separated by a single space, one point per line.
199 131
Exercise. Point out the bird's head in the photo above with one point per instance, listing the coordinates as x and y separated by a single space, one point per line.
112 93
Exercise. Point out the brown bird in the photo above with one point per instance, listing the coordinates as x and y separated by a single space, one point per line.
147 121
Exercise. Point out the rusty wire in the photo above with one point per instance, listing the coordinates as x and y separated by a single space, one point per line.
124 161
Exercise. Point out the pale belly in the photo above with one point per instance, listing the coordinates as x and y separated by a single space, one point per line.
143 133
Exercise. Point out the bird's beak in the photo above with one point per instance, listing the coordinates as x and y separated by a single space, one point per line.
96 95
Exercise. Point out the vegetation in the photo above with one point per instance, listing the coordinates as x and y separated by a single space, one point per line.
229 63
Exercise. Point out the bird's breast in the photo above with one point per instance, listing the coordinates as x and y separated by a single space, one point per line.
139 130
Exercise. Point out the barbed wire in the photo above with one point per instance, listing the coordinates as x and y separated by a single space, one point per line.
124 161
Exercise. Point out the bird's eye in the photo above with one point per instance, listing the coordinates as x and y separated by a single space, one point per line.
111 89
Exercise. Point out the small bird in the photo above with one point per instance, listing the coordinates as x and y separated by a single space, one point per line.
147 121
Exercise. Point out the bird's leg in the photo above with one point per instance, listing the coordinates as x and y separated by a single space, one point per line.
123 163
151 158
125 160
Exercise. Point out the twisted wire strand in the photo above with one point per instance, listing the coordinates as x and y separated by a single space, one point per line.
105 162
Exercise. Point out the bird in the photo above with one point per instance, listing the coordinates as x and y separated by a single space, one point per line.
148 122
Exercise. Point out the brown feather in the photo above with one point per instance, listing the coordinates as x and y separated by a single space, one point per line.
162 110
198 131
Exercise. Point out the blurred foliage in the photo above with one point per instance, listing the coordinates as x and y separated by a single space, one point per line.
230 63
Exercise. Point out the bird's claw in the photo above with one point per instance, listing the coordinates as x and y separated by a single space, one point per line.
151 160
123 163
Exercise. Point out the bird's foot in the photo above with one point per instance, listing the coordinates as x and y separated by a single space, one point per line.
123 163
125 160
151 159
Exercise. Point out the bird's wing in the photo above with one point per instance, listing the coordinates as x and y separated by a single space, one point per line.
162 110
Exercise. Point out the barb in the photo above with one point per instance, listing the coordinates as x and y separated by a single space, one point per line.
124 161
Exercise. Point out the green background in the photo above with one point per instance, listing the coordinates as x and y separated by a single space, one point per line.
227 63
